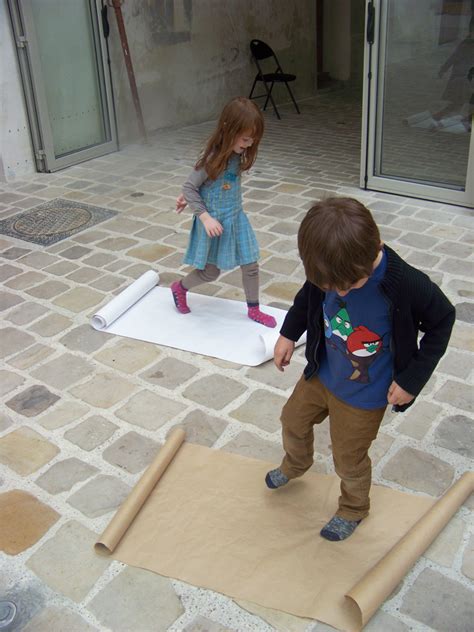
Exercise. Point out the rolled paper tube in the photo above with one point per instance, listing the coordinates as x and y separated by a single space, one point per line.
137 497
378 583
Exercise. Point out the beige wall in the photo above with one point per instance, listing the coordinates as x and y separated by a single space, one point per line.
191 59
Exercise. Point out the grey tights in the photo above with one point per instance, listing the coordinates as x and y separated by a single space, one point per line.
211 272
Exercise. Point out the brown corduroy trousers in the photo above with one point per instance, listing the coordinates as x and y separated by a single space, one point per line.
352 432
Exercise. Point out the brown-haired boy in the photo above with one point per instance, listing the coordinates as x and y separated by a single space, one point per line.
362 307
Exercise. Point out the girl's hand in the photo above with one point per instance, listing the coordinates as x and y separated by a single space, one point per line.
283 351
180 203
397 396
212 227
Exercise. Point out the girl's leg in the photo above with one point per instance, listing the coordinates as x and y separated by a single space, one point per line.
194 278
251 289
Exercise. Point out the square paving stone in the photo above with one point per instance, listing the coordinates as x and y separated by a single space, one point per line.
100 496
8 300
25 520
26 312
457 394
33 355
269 375
137 600
149 410
201 428
262 409
468 559
170 373
445 548
214 391
48 289
285 291
65 474
54 619
51 325
456 433
85 339
91 433
439 602
62 414
151 253
25 280
419 471
67 562
79 299
25 451
103 390
419 419
63 371
128 355
249 445
13 341
32 401
9 381
132 452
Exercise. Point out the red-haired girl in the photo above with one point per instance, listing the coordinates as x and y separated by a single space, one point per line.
221 236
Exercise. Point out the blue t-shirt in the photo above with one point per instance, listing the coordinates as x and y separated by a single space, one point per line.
356 361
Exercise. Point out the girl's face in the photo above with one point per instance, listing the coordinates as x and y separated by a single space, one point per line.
243 141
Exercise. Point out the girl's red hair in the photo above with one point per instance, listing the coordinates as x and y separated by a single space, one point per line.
238 116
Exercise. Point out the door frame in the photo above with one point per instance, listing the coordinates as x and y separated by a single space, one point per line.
374 57
35 97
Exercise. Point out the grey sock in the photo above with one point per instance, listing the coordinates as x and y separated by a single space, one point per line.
338 529
276 478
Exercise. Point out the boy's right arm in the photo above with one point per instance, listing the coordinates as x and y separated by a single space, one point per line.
292 329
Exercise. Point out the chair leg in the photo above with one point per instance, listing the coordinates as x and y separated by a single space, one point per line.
269 96
292 97
253 87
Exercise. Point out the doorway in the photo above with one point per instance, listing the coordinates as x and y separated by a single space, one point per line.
63 60
418 100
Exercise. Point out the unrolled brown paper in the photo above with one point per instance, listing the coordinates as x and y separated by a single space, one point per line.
212 523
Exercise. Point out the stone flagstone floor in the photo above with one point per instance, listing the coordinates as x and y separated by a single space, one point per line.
84 412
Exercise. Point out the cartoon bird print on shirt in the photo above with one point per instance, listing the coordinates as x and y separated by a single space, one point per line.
363 347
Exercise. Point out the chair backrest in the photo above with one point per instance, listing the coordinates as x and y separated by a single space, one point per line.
260 50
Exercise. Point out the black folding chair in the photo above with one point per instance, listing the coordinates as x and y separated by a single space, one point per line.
260 51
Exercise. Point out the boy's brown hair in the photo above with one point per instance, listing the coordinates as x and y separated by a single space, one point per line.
338 242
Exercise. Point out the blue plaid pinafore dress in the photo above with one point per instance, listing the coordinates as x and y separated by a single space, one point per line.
237 245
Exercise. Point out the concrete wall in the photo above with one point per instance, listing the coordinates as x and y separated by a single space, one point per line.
190 57
337 39
16 155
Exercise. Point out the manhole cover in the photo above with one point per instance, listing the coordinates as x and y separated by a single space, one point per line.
52 221
7 613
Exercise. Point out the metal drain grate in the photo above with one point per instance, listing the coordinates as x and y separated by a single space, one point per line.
53 221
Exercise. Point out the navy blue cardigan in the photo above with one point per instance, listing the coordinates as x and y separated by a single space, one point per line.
416 305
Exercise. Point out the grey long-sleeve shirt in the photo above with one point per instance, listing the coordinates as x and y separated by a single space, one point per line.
196 178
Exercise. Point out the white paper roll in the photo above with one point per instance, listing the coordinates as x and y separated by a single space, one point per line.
119 305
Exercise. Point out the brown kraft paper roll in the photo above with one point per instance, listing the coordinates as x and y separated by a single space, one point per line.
378 583
137 497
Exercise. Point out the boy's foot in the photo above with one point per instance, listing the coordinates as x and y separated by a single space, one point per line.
276 478
339 529
179 297
255 314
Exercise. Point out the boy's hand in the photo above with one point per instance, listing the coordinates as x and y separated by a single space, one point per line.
180 203
283 351
397 396
212 227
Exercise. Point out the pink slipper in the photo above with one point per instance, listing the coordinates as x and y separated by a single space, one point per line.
179 297
255 314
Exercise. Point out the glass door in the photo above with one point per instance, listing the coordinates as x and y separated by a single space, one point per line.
419 99
63 60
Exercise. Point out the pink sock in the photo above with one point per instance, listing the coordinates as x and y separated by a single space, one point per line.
255 314
179 297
